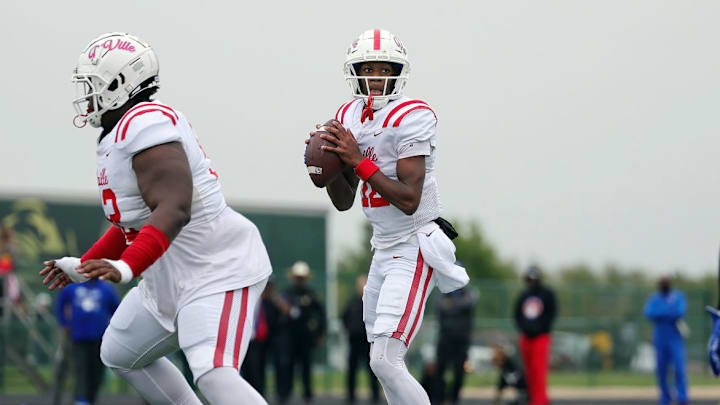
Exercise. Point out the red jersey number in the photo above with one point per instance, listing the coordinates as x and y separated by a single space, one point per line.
114 217
370 197
109 195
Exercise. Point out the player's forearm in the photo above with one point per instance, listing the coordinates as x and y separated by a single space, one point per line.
406 197
342 191
170 218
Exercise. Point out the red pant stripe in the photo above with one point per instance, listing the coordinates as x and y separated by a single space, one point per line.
222 330
411 298
240 326
420 306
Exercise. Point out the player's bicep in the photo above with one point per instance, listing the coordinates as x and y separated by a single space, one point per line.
164 176
411 171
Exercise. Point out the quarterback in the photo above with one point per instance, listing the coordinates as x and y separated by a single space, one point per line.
388 141
203 265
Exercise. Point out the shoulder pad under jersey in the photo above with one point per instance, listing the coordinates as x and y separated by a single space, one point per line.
345 111
408 112
146 125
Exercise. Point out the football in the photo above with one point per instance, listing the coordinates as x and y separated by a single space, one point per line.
322 166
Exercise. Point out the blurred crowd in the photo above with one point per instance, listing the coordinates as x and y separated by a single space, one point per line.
290 325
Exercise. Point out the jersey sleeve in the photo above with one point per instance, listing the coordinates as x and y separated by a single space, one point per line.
147 129
416 134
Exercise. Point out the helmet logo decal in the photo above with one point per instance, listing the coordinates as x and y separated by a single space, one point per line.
119 44
400 45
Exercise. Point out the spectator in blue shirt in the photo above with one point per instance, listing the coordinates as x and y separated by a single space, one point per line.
84 311
666 309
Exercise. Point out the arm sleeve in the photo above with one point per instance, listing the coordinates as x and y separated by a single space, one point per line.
148 130
416 134
110 246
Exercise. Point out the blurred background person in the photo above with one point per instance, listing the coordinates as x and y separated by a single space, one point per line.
9 287
358 345
254 367
509 376
534 314
665 309
305 327
455 314
8 250
84 311
429 381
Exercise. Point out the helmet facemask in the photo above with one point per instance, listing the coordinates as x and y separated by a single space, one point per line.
87 104
392 88
94 91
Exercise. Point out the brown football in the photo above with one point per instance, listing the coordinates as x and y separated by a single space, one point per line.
322 166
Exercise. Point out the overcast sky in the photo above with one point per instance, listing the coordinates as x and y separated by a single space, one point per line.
573 131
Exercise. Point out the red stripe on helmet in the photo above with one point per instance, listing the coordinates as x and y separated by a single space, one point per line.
376 40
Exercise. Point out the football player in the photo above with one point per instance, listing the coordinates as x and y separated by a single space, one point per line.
203 265
388 141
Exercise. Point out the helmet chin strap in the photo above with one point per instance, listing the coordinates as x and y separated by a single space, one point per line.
83 120
368 111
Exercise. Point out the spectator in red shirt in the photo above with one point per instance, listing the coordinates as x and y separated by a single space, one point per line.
534 315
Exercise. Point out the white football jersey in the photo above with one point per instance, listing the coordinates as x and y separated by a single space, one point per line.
218 250
402 129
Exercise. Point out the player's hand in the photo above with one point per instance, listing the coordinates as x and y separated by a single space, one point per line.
54 275
100 269
714 341
347 147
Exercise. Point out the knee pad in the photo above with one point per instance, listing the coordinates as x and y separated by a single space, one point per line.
114 355
387 357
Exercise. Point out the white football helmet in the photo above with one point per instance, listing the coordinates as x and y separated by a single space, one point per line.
109 72
376 46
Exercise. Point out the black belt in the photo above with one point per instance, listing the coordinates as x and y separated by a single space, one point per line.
446 227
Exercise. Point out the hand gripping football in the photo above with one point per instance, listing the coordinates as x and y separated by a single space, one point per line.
322 166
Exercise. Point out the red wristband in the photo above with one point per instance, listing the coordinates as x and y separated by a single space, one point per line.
149 244
366 168
110 246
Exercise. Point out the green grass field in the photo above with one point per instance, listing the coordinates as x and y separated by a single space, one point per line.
15 382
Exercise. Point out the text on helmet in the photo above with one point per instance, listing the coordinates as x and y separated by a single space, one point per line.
109 45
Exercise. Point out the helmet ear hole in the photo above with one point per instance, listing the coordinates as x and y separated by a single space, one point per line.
113 86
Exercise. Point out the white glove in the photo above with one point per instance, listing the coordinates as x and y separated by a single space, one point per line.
68 264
